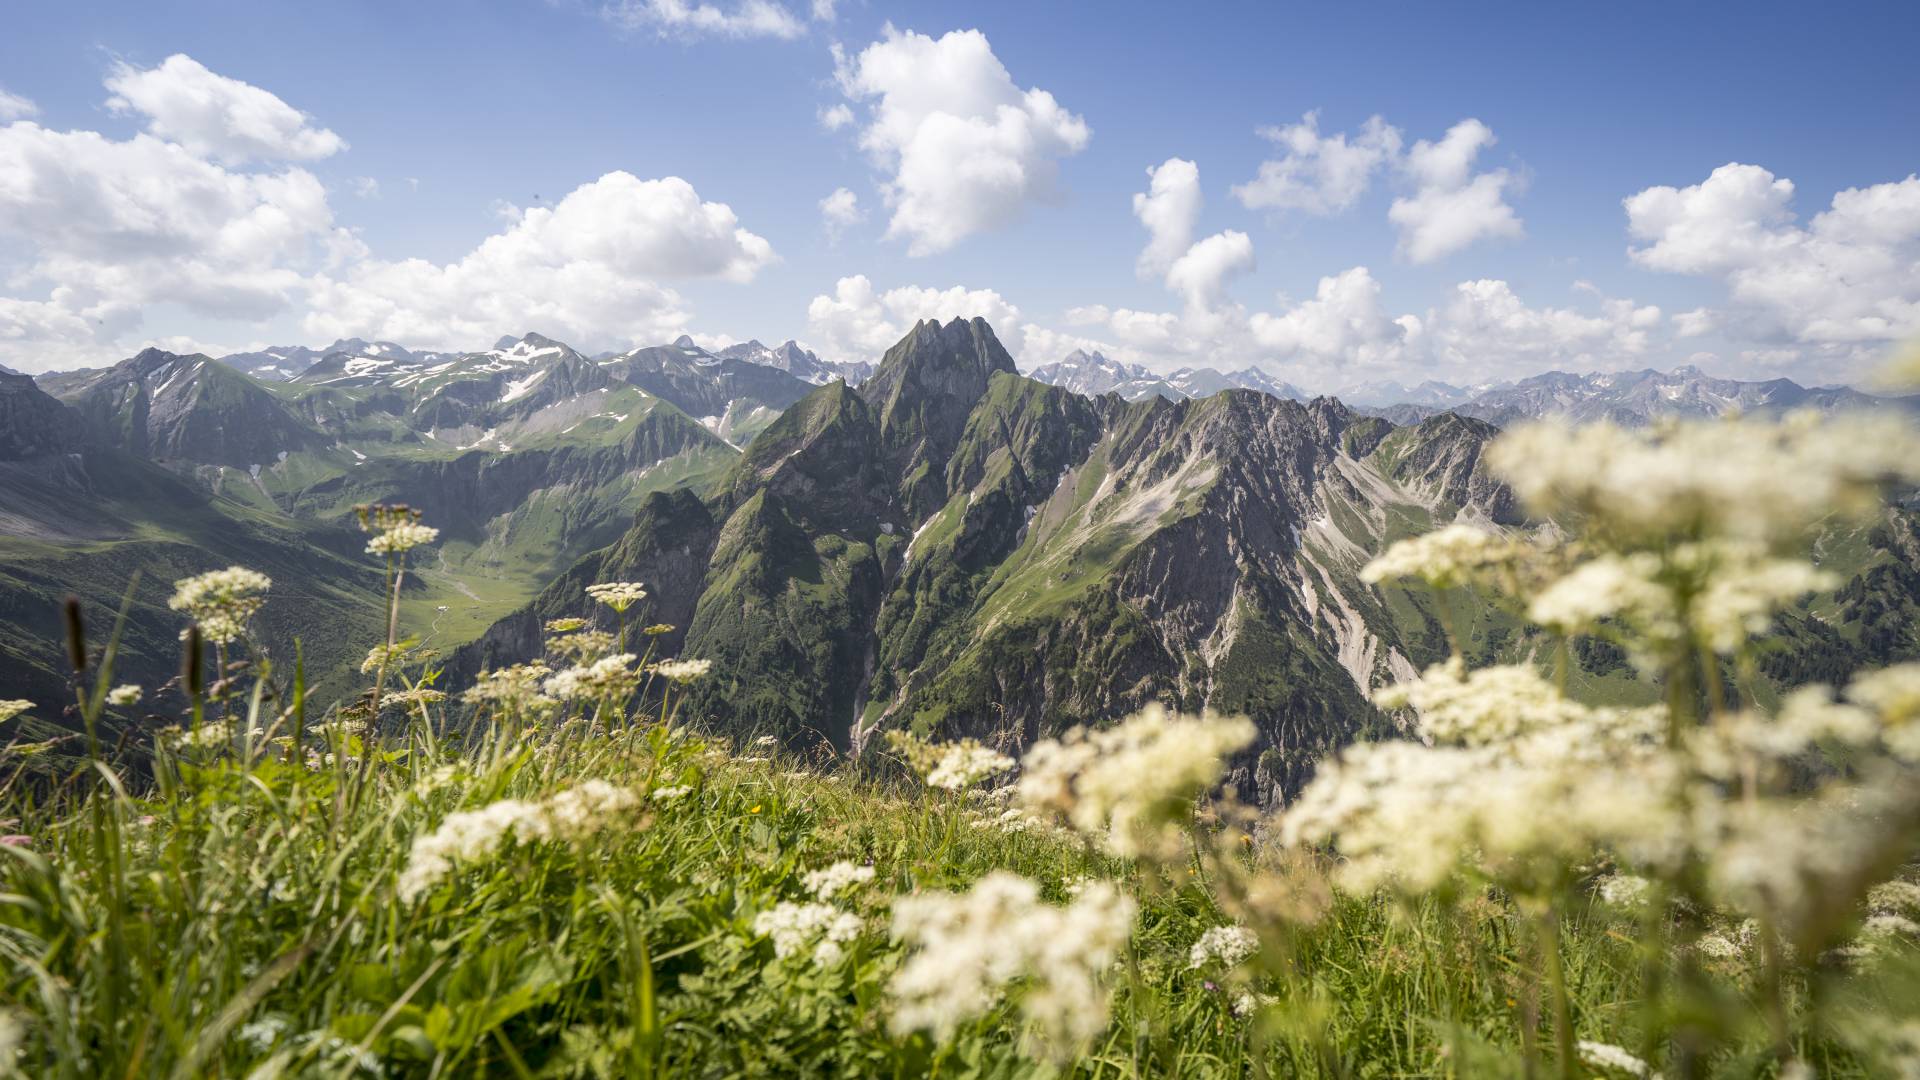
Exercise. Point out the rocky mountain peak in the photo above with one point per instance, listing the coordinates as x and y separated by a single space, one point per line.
684 342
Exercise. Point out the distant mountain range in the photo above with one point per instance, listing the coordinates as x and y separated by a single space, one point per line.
947 545
1625 397
1092 373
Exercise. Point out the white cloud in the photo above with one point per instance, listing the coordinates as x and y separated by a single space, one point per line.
1169 208
965 148
584 269
1694 323
823 10
746 19
366 187
836 117
1452 207
1484 327
215 116
1320 175
1847 282
841 211
858 323
109 227
1343 324
15 107
1200 276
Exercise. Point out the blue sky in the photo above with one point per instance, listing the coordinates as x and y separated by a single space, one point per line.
466 116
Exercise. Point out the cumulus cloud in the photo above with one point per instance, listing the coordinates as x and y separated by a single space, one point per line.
366 187
1169 208
114 226
835 117
746 19
1484 326
1694 323
15 107
214 116
586 268
963 147
1319 174
1200 276
840 211
1848 281
1453 207
857 322
1344 323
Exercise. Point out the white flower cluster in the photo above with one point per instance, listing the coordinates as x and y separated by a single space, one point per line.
1744 480
681 671
210 735
1456 555
618 595
671 794
966 763
221 601
1607 1057
1503 704
967 947
1507 747
1734 590
124 695
609 676
818 930
516 687
1133 785
468 837
402 538
828 882
1227 946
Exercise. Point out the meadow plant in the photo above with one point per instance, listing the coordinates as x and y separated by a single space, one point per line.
550 871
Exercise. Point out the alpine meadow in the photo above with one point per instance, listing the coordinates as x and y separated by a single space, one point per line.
1477 638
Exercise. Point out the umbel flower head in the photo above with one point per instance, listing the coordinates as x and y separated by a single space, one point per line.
681 671
1132 785
221 601
1456 555
1759 481
396 528
473 836
951 766
967 948
618 595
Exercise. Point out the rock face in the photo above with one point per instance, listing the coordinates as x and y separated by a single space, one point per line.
961 550
32 423
162 405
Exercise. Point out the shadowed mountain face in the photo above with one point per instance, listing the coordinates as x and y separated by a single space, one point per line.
961 550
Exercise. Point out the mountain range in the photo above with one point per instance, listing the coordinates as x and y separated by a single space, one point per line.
948 546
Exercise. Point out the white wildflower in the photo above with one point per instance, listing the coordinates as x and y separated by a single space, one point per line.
966 948
402 538
817 930
125 694
1746 479
1624 890
966 763
682 671
618 595
1718 946
828 882
516 687
1251 1001
607 676
221 601
261 1035
469 837
1227 946
1133 784
1610 1058
1890 926
671 794
1455 555
1893 897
